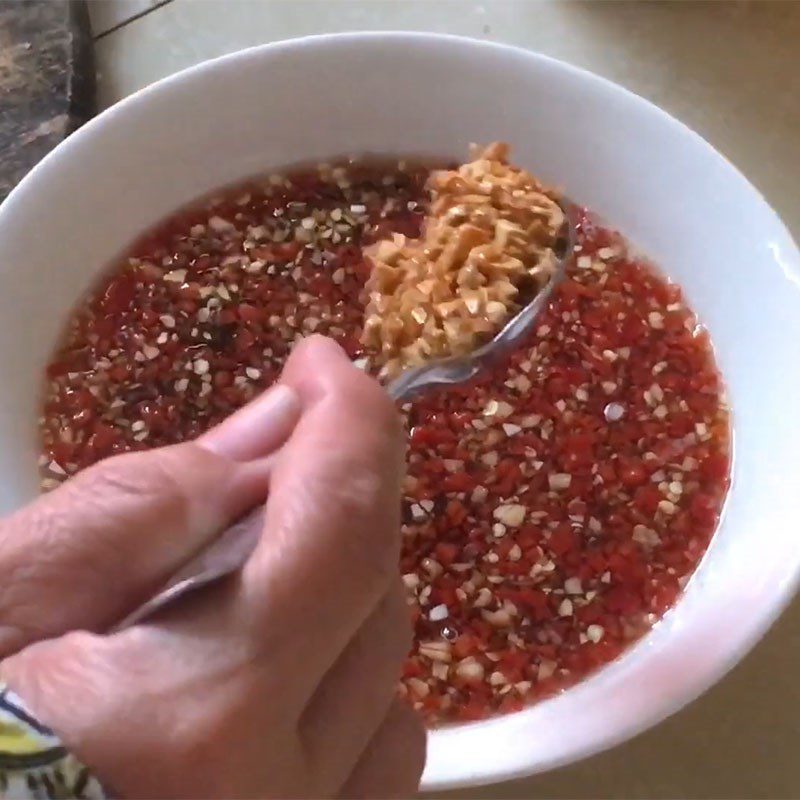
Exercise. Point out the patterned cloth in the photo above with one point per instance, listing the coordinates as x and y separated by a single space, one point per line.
33 763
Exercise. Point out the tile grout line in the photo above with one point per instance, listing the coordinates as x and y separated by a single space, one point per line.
141 14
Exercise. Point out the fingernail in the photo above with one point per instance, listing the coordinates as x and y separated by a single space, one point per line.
310 366
257 429
322 347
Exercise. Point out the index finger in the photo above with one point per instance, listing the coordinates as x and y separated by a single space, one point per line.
332 532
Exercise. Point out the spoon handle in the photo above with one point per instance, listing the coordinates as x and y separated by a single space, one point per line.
224 556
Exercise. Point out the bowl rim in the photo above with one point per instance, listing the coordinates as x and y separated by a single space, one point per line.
758 623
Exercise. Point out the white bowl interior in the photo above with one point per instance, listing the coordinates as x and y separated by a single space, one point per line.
651 177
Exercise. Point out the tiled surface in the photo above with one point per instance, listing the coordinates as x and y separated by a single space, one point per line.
730 70
106 15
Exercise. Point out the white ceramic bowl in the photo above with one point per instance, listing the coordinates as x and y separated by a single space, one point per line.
663 186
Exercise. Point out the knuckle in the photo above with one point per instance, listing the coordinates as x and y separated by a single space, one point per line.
417 751
364 503
360 398
59 550
41 561
392 627
383 641
410 731
68 661
76 646
142 475
365 392
162 483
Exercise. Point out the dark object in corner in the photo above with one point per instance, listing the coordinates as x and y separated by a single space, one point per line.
47 82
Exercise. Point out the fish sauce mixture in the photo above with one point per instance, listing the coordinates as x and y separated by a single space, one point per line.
554 508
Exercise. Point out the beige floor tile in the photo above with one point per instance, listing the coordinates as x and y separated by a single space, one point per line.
740 740
107 14
729 70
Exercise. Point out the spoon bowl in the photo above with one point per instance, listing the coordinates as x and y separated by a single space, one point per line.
459 369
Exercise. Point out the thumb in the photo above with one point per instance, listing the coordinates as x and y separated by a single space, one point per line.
85 554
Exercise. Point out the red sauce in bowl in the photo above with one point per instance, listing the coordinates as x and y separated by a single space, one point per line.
554 508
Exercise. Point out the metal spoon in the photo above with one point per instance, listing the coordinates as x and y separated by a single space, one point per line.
227 554
459 369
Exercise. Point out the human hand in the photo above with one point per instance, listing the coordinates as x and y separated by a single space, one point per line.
279 682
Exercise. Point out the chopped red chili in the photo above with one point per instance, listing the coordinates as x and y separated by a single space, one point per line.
554 508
